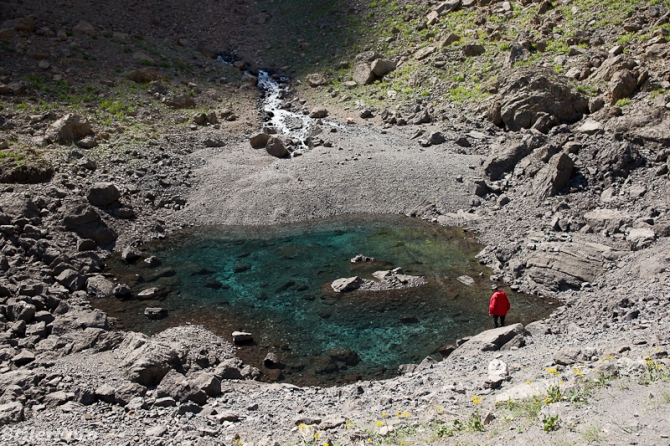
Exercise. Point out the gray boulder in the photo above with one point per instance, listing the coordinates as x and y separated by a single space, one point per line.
57 398
646 123
621 86
448 6
259 140
524 94
381 67
207 382
229 369
11 413
99 286
567 356
103 194
316 80
179 101
71 280
554 176
363 74
504 157
146 361
68 129
105 393
347 284
177 386
607 219
124 394
490 340
619 158
276 147
318 113
20 311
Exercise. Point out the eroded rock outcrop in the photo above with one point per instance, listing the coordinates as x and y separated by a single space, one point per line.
526 95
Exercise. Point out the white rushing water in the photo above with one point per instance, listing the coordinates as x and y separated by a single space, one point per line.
292 124
295 125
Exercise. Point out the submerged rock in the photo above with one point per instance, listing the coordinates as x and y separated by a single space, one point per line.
155 312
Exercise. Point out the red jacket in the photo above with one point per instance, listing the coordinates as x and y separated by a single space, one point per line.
499 304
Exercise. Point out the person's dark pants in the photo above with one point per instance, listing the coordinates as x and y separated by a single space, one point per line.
495 321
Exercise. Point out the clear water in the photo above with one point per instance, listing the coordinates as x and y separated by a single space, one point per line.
275 283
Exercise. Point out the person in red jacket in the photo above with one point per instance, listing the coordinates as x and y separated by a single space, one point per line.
498 307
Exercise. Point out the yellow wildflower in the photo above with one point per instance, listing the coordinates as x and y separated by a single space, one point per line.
476 400
379 424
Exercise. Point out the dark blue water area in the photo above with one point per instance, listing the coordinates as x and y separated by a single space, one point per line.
274 282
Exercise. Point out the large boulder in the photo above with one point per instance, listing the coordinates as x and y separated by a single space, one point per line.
127 392
607 219
504 157
490 340
99 286
621 86
363 74
69 128
618 158
11 413
275 147
206 382
381 67
554 176
103 194
558 265
567 356
84 219
146 361
526 95
645 123
316 80
71 280
259 140
179 101
177 386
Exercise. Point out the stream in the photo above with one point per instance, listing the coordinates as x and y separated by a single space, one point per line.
294 125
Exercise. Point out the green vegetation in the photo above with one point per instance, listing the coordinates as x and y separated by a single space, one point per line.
550 424
18 158
461 94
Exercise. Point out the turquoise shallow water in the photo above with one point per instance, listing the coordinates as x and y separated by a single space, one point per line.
275 283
